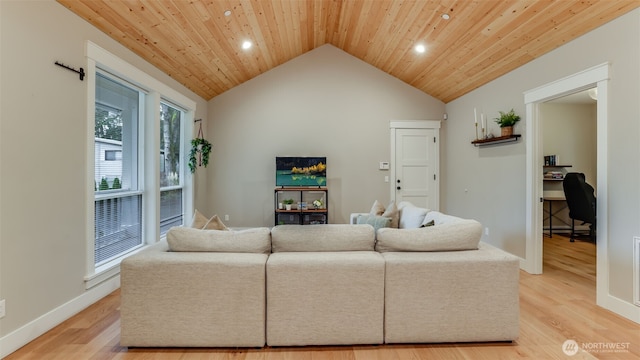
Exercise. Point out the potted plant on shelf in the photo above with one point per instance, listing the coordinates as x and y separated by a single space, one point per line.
506 121
287 203
199 154
317 203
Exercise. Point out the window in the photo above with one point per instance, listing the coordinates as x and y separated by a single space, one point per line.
118 199
139 187
113 155
171 210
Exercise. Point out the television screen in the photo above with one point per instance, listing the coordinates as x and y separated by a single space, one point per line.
301 171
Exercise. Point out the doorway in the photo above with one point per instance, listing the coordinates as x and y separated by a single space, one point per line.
569 144
594 77
569 139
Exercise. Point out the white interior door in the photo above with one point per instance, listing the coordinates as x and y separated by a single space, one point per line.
415 175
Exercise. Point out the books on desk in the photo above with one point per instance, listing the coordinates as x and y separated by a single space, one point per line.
555 175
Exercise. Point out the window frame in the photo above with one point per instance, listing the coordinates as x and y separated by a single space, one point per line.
156 92
135 162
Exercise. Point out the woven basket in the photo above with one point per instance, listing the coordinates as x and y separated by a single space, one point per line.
506 131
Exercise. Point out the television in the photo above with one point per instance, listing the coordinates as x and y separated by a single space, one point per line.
301 171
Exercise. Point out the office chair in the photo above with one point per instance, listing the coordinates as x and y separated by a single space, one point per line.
581 202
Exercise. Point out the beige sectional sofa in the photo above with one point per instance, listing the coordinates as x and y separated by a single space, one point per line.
331 284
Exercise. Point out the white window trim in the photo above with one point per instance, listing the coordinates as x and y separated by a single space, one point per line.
149 157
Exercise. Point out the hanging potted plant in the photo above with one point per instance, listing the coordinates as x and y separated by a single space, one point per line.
506 121
199 154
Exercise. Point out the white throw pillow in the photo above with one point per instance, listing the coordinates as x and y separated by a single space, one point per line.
403 204
411 217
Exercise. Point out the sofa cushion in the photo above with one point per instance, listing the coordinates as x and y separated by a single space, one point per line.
326 237
377 222
459 235
255 240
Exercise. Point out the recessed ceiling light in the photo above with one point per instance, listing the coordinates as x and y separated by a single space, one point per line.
227 13
246 45
420 48
446 16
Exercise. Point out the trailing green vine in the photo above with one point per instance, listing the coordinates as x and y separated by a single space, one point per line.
199 154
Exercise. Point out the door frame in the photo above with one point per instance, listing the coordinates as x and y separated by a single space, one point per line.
596 76
414 124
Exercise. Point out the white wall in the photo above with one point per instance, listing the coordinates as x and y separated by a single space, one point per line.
323 103
498 181
569 131
43 141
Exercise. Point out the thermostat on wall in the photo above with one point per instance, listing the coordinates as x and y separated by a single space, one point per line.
384 165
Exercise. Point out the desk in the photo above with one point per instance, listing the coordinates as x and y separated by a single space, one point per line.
550 199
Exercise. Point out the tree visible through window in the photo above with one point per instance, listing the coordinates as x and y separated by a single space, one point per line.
108 123
171 210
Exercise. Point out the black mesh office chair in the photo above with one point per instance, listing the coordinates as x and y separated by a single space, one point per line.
581 201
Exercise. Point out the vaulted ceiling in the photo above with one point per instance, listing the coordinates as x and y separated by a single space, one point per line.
199 42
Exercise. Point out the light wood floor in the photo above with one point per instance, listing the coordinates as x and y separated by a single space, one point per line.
556 306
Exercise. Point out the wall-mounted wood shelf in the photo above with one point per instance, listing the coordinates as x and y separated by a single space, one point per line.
496 140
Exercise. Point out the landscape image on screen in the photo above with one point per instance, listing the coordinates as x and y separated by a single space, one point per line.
301 171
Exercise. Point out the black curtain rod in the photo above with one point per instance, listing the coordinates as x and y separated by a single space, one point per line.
80 72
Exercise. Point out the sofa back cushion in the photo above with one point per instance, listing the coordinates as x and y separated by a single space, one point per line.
256 240
449 236
327 237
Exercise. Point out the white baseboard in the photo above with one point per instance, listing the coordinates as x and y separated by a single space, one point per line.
622 308
22 336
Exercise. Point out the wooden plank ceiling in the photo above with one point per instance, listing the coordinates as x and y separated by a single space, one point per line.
195 43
